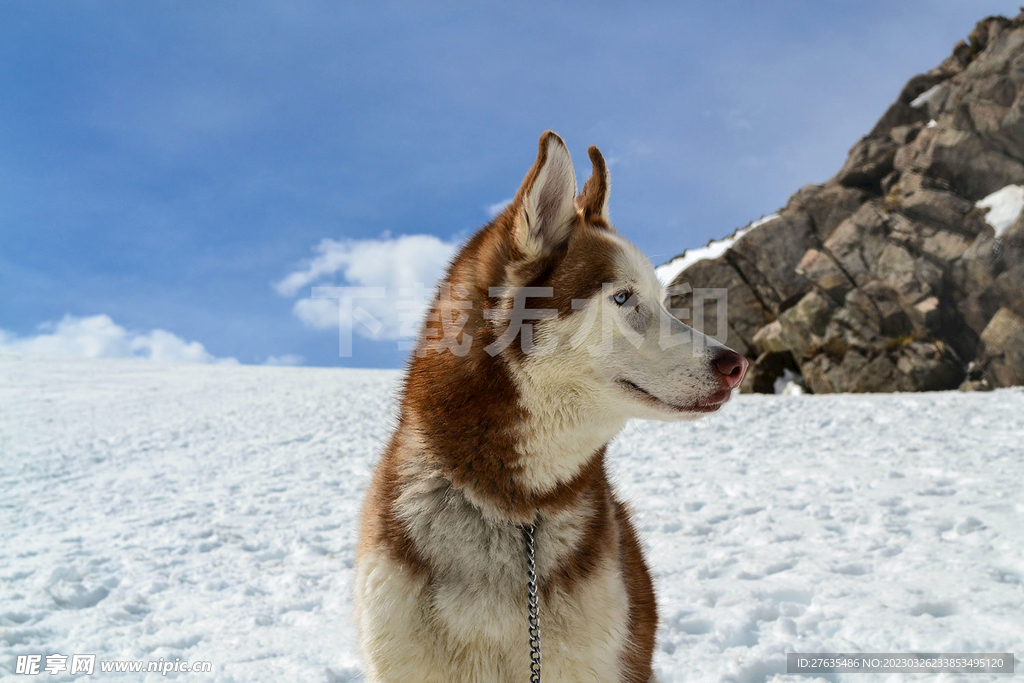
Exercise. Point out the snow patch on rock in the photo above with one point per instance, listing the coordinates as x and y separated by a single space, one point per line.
922 99
1004 207
668 272
788 384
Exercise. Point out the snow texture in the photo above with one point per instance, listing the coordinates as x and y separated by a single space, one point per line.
210 512
669 271
1004 207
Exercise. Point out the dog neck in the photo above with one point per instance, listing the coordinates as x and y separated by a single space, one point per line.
563 427
517 443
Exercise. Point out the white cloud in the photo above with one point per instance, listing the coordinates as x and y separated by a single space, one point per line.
320 314
98 336
404 270
497 207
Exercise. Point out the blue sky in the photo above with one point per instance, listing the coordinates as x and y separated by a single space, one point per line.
165 166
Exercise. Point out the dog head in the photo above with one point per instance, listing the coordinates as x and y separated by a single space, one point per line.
581 310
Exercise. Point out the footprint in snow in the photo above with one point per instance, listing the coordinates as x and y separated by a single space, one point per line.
14 618
68 590
24 637
1007 576
694 627
933 609
779 567
969 525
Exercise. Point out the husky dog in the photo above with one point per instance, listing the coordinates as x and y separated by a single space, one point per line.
547 334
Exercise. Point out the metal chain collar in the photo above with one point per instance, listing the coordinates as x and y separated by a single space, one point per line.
533 604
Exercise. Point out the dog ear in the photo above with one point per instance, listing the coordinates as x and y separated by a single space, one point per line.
546 199
593 199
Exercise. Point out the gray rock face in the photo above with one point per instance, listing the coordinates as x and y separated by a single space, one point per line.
889 276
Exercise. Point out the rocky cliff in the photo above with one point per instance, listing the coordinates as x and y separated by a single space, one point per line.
904 272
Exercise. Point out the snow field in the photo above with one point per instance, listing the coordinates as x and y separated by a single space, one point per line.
209 513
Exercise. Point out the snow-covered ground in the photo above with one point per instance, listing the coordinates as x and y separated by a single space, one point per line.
209 513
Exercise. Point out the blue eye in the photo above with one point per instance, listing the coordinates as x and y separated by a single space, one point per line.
621 298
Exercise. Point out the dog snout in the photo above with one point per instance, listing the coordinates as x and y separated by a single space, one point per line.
731 366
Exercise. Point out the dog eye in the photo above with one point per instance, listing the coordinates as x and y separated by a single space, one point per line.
621 298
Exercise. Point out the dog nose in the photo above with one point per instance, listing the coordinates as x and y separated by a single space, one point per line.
732 366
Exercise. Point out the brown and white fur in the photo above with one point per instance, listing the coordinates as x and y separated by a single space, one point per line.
488 443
